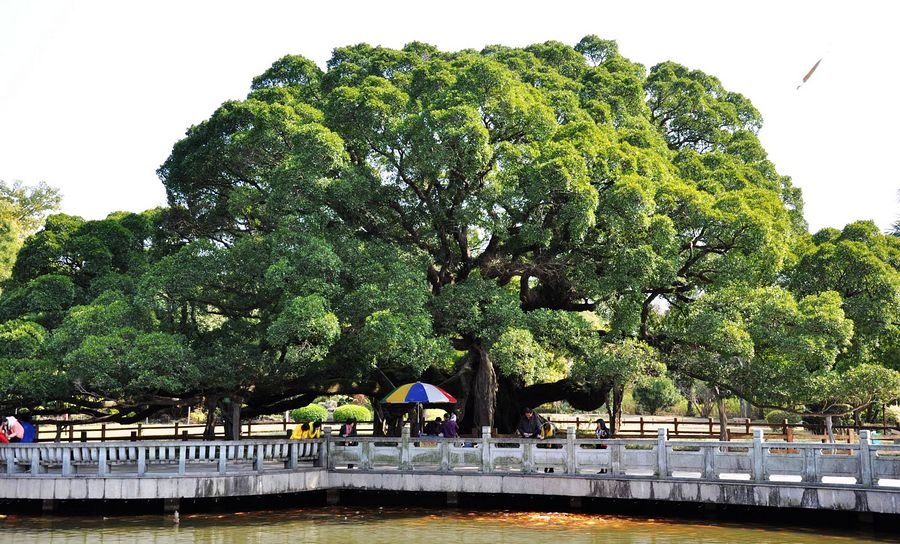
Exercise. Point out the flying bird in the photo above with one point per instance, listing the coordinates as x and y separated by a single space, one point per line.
810 73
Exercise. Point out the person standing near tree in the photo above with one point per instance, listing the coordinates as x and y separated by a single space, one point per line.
602 431
449 428
529 424
348 429
301 431
14 430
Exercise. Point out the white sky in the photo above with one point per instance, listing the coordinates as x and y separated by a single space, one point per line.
93 94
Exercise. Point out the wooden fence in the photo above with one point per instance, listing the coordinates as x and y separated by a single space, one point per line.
633 427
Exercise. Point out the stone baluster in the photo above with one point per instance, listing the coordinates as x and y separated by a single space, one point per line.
486 464
571 451
616 452
182 460
259 460
102 466
865 459
293 453
367 452
323 455
759 462
810 465
709 460
223 457
66 454
141 460
662 453
36 461
527 455
404 449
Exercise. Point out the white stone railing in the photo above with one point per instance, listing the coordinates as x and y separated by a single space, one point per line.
862 464
139 458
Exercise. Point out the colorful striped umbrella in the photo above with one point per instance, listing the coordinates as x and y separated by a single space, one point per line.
419 392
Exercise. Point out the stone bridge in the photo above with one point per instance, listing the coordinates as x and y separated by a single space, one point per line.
861 477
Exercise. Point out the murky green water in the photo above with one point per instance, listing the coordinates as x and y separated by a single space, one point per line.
374 525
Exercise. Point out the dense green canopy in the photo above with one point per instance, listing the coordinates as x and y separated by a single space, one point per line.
521 225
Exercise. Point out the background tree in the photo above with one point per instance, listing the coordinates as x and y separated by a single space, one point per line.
22 211
520 225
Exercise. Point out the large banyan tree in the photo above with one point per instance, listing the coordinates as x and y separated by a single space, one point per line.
520 225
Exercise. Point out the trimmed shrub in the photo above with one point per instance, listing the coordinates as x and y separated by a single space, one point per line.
656 393
309 413
892 413
198 416
776 418
355 411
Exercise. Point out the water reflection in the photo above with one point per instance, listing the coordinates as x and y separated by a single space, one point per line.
338 525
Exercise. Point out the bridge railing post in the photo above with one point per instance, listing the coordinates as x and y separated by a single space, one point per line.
141 460
527 456
709 460
322 457
404 448
66 461
571 467
36 461
616 452
182 460
486 465
662 453
102 466
444 449
865 459
259 460
810 465
223 457
758 460
367 451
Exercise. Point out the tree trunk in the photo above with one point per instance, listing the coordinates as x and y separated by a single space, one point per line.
510 404
232 416
614 409
758 413
857 420
829 428
485 390
723 417
209 431
379 418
